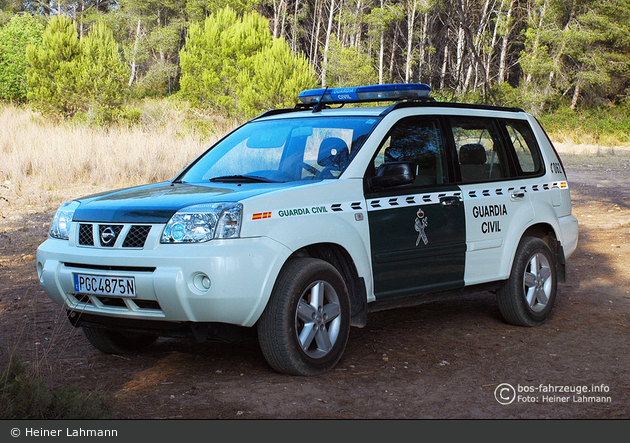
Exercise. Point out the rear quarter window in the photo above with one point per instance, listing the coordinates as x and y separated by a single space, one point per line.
525 149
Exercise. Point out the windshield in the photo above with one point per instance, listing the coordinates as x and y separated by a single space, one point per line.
284 150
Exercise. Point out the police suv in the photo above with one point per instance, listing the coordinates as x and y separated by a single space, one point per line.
302 221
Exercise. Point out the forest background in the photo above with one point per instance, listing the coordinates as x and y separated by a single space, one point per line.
106 62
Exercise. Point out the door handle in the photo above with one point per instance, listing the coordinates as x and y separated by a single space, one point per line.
517 195
449 201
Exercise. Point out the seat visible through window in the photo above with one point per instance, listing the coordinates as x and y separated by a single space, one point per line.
333 155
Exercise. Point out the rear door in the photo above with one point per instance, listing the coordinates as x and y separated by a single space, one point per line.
496 201
417 231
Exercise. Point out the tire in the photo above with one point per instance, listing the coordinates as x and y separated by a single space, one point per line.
115 342
305 326
527 297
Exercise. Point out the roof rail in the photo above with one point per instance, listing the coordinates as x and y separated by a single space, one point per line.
456 105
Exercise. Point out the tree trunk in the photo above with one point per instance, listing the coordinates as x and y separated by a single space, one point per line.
474 64
459 60
317 20
284 15
493 42
340 34
294 28
423 39
543 10
327 44
357 38
576 96
504 45
558 55
393 53
411 20
134 68
381 54
444 65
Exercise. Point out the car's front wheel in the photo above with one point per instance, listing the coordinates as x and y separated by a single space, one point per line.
115 342
527 297
305 326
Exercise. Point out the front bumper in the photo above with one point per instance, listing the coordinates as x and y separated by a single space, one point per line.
241 272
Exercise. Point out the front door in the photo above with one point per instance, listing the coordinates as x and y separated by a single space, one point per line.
417 231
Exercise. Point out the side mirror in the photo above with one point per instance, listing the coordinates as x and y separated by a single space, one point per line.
393 174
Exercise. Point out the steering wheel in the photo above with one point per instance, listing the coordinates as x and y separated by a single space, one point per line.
310 168
326 172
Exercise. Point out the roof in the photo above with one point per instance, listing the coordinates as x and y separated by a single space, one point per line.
378 111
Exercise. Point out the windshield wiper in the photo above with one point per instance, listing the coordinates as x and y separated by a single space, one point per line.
242 178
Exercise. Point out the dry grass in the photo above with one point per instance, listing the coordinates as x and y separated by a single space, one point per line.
52 157
36 152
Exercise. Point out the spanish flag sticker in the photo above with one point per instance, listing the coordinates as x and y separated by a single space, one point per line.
261 215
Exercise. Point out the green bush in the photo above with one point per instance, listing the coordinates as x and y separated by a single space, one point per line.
22 30
608 126
23 396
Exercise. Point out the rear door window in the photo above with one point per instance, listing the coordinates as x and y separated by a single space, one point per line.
479 149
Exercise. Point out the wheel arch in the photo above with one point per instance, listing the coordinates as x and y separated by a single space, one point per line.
548 234
341 259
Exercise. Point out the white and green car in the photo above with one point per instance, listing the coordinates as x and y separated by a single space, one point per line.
302 221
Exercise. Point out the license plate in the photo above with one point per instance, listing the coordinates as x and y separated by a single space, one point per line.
100 285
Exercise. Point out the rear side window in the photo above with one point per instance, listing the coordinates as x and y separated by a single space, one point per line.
525 147
479 150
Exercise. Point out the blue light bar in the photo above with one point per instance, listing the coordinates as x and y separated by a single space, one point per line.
392 91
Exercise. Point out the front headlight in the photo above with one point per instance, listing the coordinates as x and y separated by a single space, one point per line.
201 223
60 226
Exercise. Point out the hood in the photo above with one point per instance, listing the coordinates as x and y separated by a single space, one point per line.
157 203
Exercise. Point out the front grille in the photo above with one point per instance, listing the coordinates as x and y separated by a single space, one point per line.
86 235
135 236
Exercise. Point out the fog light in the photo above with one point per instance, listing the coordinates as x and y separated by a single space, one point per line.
201 282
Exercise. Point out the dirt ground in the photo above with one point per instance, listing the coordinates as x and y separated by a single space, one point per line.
448 359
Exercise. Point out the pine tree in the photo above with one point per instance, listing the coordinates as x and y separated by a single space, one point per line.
51 82
101 75
234 66
68 75
275 78
207 62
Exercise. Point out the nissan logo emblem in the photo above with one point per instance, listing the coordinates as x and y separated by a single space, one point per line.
107 236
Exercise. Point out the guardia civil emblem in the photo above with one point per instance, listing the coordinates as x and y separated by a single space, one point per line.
421 223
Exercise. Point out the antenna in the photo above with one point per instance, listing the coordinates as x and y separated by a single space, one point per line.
318 107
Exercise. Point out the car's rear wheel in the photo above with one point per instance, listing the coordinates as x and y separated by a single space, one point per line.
115 342
305 326
527 297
